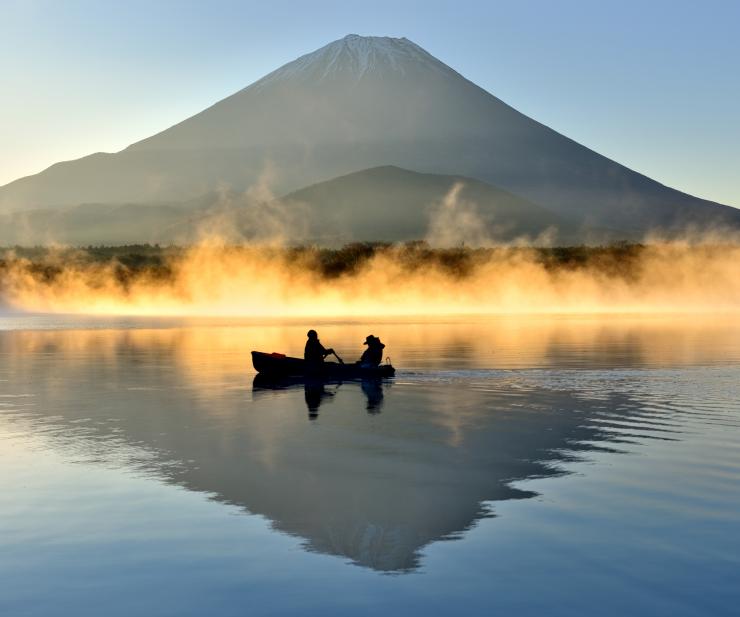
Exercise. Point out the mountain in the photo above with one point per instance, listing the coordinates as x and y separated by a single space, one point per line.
383 202
397 204
111 224
358 103
102 223
387 203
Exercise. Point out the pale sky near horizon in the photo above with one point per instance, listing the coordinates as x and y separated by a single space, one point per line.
654 85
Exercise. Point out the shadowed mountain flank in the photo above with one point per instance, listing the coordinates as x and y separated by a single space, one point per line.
398 204
358 103
387 202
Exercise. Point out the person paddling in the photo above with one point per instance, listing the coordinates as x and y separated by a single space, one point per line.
315 352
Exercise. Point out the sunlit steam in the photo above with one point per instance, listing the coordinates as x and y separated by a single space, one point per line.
456 222
243 261
397 280
254 216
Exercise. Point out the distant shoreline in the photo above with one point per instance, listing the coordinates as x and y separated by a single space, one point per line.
136 260
371 279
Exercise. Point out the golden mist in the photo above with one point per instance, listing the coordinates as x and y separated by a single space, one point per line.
392 280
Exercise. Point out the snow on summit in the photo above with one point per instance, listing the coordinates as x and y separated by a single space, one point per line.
359 103
357 55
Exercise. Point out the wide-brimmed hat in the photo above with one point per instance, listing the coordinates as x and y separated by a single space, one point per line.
369 339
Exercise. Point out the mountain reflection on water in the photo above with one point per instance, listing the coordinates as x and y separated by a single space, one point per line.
319 460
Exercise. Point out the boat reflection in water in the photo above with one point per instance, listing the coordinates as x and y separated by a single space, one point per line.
316 391
374 489
373 391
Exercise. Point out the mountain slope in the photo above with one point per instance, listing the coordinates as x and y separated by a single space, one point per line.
389 203
362 102
93 224
397 204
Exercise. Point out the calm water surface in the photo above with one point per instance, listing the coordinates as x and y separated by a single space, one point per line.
541 466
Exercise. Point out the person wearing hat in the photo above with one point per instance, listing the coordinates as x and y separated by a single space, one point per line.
373 355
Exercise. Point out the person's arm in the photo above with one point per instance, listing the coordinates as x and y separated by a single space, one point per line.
326 352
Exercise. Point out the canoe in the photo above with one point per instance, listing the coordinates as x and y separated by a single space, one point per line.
279 365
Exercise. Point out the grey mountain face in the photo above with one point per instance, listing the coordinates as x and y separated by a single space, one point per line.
358 103
397 204
383 202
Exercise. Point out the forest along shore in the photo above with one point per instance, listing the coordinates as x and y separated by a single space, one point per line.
148 261
371 279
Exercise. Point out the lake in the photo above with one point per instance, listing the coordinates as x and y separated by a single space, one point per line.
531 466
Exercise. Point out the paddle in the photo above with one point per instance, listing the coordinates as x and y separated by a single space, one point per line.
337 357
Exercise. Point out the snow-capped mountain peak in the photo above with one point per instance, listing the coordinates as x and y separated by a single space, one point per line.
358 103
357 56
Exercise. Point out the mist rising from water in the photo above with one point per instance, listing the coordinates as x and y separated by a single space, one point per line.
395 280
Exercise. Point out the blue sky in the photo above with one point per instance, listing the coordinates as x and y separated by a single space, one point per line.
654 85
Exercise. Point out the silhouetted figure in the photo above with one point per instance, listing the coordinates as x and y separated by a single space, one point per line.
373 391
373 355
315 352
315 393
